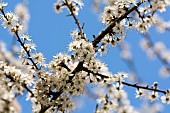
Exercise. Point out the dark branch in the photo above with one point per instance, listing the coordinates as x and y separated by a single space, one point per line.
109 28
74 16
144 87
21 43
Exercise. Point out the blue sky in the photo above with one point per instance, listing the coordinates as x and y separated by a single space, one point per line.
51 33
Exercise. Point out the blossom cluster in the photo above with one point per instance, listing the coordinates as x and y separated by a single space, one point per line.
115 101
15 77
52 87
84 50
130 14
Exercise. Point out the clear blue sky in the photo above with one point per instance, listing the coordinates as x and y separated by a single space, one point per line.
51 33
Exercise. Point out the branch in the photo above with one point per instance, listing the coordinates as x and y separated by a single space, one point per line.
21 43
55 95
132 85
28 53
144 87
23 84
89 71
43 109
109 28
125 83
97 105
74 16
78 68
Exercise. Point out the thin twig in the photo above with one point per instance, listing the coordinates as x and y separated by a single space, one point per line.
144 87
28 53
74 16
